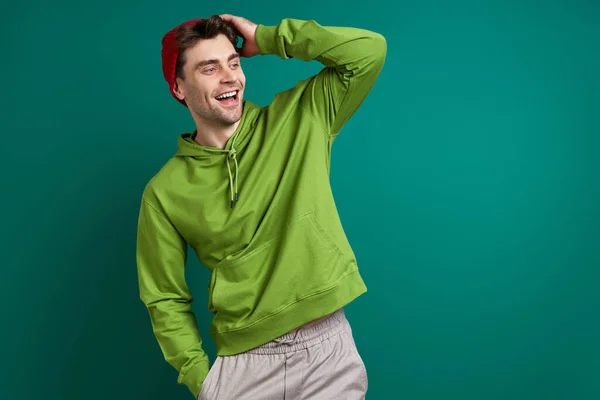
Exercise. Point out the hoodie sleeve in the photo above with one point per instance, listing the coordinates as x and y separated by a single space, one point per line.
352 59
161 255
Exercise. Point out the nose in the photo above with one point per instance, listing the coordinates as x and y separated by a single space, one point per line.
228 75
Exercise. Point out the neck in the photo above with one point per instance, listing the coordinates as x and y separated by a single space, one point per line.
214 135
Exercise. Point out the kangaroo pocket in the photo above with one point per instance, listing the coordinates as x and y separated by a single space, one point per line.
267 276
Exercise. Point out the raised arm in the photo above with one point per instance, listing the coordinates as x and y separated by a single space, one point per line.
161 256
352 59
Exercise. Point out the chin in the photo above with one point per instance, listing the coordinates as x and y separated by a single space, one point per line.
232 118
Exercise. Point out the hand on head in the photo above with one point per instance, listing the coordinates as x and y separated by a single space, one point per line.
247 30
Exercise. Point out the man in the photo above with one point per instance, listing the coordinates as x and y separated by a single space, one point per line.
249 191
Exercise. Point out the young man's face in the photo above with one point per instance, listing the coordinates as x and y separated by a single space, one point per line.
212 68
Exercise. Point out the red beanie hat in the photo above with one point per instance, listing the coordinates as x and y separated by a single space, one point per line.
169 53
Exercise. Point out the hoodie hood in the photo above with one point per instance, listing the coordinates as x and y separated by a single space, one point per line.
187 147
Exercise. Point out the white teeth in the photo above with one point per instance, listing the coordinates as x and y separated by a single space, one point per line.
226 95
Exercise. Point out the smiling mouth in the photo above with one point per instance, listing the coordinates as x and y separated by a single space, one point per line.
228 96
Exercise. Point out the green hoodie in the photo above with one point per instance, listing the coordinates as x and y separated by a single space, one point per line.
260 213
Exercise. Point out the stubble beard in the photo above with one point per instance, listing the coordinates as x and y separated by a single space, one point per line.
217 115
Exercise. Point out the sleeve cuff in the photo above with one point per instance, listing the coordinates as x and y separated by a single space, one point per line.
194 378
266 40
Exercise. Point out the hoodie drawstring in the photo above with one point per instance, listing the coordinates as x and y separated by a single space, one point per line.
234 196
233 178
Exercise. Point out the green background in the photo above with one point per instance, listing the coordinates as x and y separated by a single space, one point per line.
468 183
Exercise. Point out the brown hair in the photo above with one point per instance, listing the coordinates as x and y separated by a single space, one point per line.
209 28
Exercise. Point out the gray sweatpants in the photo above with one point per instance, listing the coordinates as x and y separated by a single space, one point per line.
317 363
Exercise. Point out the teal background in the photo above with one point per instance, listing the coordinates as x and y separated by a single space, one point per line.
468 183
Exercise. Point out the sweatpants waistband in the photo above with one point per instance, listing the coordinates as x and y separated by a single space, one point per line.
304 338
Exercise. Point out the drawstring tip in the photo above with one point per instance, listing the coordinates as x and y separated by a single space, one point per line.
232 202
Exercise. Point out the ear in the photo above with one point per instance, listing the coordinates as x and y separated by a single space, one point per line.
178 90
